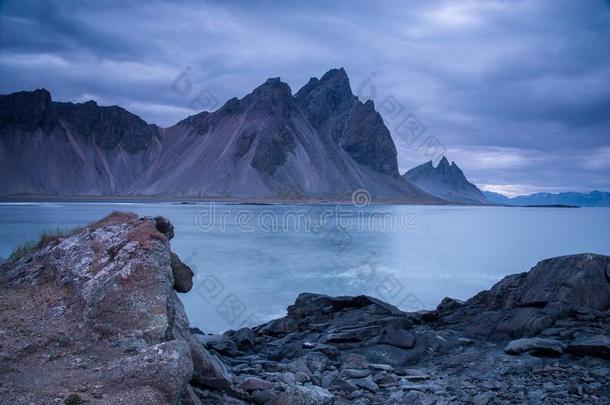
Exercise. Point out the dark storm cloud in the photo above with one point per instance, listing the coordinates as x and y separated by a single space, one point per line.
517 91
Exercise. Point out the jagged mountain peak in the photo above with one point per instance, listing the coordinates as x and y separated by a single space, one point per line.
273 94
446 181
272 97
333 89
442 166
273 86
40 94
335 112
337 78
370 104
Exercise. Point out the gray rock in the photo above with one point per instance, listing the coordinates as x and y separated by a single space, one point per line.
208 370
264 396
419 398
278 327
253 383
350 335
189 397
354 360
595 346
483 398
308 304
536 347
328 377
355 373
244 338
288 377
165 227
302 377
552 332
449 304
303 395
219 343
567 283
385 379
366 383
399 337
316 361
381 367
167 366
183 275
527 303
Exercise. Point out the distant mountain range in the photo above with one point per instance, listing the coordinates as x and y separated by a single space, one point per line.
320 143
591 199
446 181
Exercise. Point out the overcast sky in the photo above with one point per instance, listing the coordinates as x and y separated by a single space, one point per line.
518 92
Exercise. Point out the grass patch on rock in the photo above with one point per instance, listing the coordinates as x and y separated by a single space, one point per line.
47 237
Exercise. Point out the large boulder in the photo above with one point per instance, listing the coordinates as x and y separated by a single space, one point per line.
524 304
309 304
536 347
95 311
557 285
565 284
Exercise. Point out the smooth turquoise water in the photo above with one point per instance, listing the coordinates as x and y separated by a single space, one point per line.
251 261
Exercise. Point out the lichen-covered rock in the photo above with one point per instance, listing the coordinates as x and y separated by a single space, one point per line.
96 312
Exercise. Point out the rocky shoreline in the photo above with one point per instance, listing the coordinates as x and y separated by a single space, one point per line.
94 317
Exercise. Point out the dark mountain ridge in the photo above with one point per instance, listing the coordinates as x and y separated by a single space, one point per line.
321 143
55 148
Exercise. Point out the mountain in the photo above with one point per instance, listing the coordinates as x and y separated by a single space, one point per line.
591 199
320 143
63 148
445 181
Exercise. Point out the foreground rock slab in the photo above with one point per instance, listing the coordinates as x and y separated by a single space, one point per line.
93 316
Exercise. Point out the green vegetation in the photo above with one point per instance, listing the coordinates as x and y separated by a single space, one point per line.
46 237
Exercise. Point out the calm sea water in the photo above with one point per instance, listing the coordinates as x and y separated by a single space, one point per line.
251 261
